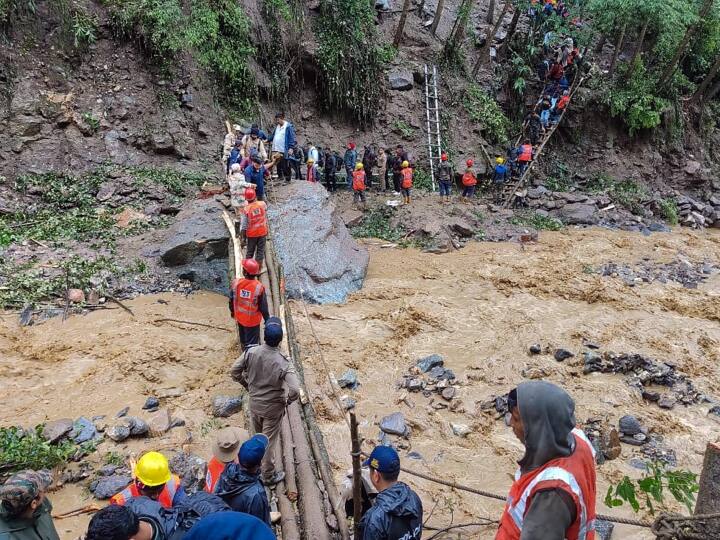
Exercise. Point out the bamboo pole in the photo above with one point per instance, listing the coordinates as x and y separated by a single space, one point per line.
708 498
357 476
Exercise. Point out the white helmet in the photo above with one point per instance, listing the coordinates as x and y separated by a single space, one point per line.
235 167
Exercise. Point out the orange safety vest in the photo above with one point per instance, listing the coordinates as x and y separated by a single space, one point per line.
563 102
469 179
246 304
358 181
525 153
407 174
574 474
256 219
214 470
165 498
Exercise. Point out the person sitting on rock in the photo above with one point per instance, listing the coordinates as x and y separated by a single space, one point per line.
152 478
25 511
248 303
225 451
240 485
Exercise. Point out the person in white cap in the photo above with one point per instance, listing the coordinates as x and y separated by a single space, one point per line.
224 451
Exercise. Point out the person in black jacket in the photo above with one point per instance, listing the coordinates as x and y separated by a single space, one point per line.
240 485
397 512
330 170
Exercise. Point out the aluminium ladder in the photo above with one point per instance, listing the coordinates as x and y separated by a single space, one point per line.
432 115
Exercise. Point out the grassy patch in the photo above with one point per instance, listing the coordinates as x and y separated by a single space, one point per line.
559 180
669 211
536 221
29 450
627 193
422 180
114 458
484 110
376 224
406 130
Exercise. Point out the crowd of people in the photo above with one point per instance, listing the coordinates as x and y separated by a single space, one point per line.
552 497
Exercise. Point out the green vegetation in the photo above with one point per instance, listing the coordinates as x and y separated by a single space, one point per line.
114 458
669 211
650 489
29 450
351 59
485 111
376 224
536 221
422 180
559 179
209 426
627 193
405 130
92 122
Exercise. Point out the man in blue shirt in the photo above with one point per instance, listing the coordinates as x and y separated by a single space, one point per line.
281 140
255 173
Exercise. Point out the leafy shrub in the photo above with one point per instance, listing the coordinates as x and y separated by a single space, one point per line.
484 110
536 221
627 193
669 210
422 179
84 28
376 224
156 24
407 131
351 59
91 121
29 450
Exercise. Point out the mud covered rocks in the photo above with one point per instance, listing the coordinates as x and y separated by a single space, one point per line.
57 429
107 486
682 271
191 469
394 424
224 406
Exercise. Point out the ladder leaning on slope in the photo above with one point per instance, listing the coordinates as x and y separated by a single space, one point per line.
432 115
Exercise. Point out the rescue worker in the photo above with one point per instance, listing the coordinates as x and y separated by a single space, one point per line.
358 185
349 159
225 451
397 511
445 175
553 495
272 385
469 181
406 182
525 156
313 174
152 479
240 486
248 303
500 176
254 227
25 511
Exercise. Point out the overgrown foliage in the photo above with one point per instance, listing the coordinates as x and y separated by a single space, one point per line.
77 27
376 224
536 221
20 449
485 111
627 193
669 210
351 59
649 491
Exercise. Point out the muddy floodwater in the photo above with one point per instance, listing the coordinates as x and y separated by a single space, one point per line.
481 308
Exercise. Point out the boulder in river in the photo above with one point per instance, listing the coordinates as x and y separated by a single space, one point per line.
83 431
108 486
119 432
429 362
321 261
394 424
224 406
57 429
630 425
349 380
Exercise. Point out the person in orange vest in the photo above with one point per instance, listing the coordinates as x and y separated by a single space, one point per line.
254 227
469 181
406 181
358 185
553 495
225 451
248 303
525 156
152 479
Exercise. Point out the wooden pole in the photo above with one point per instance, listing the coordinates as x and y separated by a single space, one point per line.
357 476
401 24
708 498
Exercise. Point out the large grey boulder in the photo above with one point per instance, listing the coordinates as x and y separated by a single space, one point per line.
317 253
578 214
400 79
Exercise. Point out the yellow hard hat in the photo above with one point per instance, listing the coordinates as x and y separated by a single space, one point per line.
499 160
358 166
152 469
405 164
310 161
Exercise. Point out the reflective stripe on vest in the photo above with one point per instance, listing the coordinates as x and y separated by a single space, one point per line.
256 220
358 180
407 175
165 498
247 301
214 470
525 153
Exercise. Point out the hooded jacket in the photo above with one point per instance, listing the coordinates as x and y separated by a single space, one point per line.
396 515
243 492
40 527
230 526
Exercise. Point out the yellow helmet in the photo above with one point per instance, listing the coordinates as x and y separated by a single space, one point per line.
152 469
358 166
405 164
499 160
310 161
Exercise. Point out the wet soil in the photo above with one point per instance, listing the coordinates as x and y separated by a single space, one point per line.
481 308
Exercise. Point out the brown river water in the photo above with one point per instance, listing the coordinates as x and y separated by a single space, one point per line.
480 308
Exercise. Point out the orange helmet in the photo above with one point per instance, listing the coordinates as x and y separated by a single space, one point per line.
251 266
250 194
469 163
443 156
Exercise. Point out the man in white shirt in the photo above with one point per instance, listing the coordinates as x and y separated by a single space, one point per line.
281 140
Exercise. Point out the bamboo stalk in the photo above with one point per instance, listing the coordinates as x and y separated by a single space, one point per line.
357 475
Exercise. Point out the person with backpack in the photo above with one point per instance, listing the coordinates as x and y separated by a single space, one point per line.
240 485
469 181
525 156
234 157
406 182
358 185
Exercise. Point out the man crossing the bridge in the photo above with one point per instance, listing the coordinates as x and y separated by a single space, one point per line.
248 303
254 227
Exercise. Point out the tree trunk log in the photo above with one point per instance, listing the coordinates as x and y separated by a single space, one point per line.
708 497
401 24
618 47
511 29
491 12
484 52
438 14
706 81
638 49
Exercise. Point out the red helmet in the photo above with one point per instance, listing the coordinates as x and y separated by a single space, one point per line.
251 266
250 194
443 156
469 163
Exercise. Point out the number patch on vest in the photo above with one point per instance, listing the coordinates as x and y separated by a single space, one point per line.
245 294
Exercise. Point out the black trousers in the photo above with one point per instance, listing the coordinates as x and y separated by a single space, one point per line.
249 335
295 167
396 181
330 181
283 169
256 249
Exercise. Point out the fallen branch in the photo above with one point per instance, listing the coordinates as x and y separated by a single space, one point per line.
459 526
119 303
193 323
88 509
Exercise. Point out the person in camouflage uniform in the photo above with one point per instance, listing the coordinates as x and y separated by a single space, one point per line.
25 511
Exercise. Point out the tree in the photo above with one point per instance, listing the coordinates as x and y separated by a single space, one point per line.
511 29
401 25
491 12
698 95
682 47
438 14
484 51
618 47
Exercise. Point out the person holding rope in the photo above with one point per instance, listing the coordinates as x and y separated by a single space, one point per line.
553 495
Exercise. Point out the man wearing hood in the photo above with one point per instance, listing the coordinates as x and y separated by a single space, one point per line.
240 485
553 495
397 511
